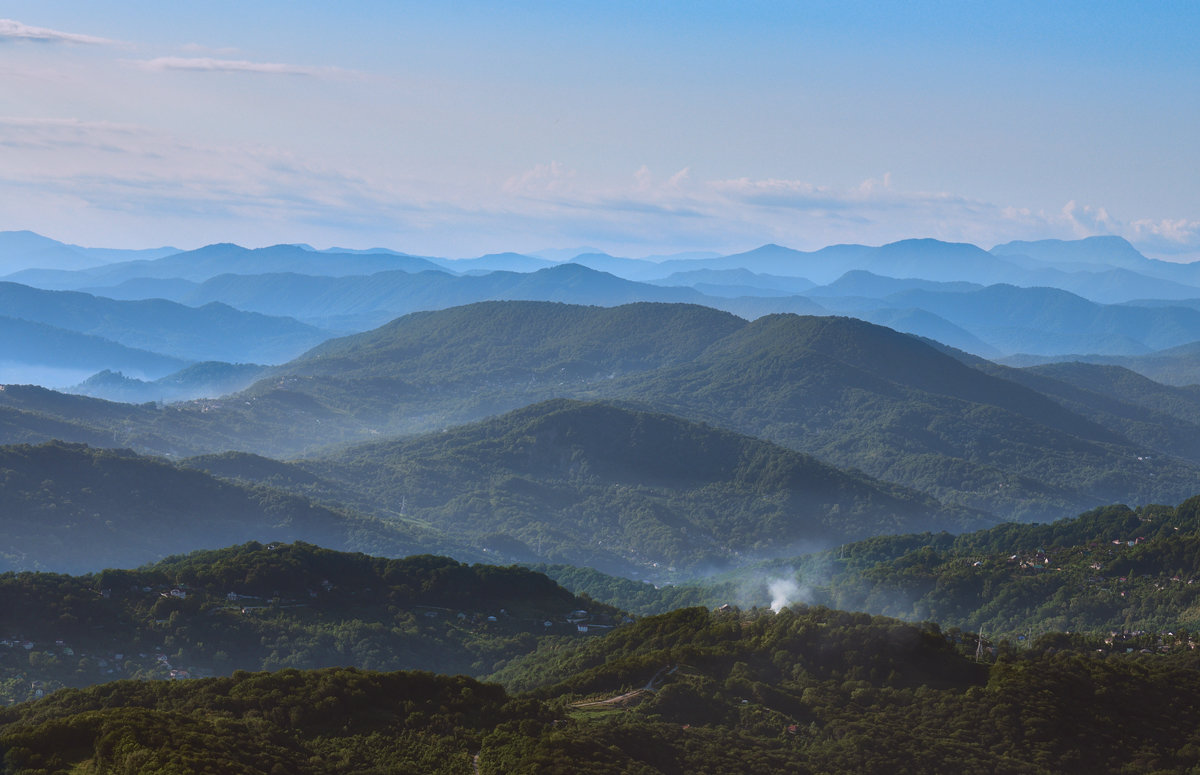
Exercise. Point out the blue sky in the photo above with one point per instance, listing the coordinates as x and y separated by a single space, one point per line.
639 128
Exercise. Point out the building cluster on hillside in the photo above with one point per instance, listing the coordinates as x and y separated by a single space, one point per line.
106 665
1150 642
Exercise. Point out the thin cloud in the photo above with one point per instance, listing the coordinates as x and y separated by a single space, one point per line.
211 65
11 29
124 178
542 179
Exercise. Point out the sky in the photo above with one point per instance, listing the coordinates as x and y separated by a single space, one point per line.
463 128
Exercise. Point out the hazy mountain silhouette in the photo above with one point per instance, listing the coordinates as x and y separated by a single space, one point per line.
212 332
23 250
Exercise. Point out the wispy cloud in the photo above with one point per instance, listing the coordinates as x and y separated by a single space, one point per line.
126 178
716 214
139 180
541 180
200 48
209 64
11 29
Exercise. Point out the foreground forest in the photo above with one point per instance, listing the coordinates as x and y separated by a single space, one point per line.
801 691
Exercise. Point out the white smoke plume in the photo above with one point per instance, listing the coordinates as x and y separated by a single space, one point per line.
784 591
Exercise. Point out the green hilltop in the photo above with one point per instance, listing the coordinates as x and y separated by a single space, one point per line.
632 492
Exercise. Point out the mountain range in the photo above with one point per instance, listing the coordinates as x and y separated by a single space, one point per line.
209 332
976 300
222 258
851 393
891 430
25 250
973 435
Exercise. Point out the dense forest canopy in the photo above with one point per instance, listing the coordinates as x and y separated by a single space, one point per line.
801 691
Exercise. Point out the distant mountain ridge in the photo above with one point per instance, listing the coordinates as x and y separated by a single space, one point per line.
23 250
24 343
1048 320
1179 366
212 332
358 303
355 290
224 258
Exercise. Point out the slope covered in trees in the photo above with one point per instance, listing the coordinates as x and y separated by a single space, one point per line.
864 396
271 606
611 487
71 508
802 691
1126 576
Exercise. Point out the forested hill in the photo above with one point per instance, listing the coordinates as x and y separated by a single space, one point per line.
860 395
1130 577
71 508
524 341
270 606
611 487
1125 574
